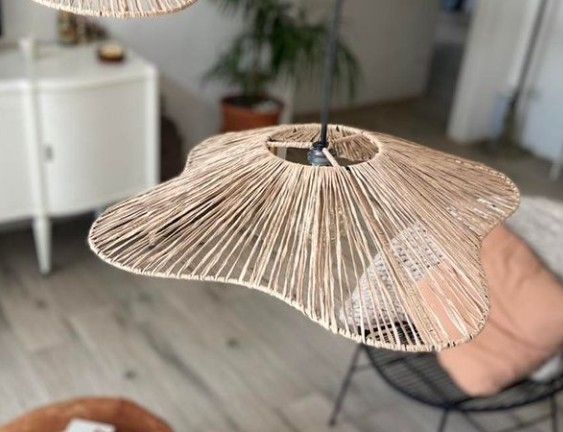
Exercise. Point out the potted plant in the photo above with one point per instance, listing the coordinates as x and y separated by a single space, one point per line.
278 42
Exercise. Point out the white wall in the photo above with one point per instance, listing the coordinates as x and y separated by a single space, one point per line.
393 40
183 46
491 65
21 18
542 110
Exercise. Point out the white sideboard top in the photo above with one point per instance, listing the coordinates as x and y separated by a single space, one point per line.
57 67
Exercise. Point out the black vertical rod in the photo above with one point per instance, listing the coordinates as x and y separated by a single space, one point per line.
330 68
554 416
443 420
531 48
345 384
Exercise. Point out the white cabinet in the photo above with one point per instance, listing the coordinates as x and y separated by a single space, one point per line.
15 199
75 135
95 144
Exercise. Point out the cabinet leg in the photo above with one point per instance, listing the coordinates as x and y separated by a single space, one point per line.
556 170
557 167
42 236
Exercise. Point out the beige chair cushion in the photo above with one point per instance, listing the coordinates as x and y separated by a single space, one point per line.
525 326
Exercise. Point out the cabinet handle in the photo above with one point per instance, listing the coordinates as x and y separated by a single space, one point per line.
48 152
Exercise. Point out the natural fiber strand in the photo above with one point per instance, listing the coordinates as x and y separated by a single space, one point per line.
382 247
118 8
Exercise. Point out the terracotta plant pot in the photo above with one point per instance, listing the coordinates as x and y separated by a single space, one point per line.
126 416
238 116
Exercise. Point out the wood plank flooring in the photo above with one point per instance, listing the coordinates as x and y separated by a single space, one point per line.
205 357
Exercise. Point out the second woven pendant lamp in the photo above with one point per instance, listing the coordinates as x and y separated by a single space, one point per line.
118 8
382 247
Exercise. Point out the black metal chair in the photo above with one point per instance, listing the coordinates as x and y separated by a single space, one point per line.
420 377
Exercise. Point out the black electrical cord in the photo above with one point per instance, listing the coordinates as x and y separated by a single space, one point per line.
316 156
330 68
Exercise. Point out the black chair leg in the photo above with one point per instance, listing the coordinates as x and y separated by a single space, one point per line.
554 414
345 385
473 422
443 421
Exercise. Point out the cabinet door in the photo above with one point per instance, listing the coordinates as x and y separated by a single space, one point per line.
100 144
15 188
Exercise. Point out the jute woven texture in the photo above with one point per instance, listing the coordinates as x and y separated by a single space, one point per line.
118 8
382 248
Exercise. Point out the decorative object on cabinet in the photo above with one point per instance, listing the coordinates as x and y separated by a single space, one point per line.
67 28
125 415
280 43
495 371
111 52
382 247
77 134
75 29
118 8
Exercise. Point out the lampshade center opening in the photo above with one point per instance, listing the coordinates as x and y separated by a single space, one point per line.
348 146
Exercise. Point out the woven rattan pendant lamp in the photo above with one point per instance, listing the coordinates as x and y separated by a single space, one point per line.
376 239
119 8
384 251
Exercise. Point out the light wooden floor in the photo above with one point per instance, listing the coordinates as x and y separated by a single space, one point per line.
205 357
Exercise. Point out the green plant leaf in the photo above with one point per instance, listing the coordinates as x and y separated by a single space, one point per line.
278 43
